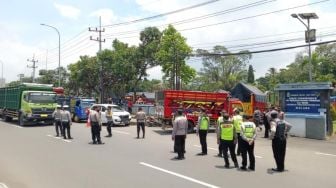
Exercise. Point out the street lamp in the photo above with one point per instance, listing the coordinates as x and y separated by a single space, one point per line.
59 53
309 34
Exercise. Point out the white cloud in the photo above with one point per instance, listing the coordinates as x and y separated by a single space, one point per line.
107 16
68 11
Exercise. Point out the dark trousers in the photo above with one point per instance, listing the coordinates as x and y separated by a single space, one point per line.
267 128
202 136
220 150
246 148
95 132
109 128
239 144
66 129
180 145
229 145
58 127
279 152
142 125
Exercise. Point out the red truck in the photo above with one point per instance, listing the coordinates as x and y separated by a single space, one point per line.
191 102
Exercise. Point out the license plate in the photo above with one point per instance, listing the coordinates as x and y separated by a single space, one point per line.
44 115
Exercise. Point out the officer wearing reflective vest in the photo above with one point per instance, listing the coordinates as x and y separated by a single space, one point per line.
219 121
237 121
227 136
202 131
279 130
248 136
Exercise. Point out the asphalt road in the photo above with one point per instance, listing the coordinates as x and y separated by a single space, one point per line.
30 157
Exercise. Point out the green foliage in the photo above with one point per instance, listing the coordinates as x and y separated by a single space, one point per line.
173 52
250 75
221 72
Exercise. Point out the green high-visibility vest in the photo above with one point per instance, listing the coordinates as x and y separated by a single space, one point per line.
204 123
227 131
249 130
237 121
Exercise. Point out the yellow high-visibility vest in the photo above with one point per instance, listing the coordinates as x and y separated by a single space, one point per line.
227 131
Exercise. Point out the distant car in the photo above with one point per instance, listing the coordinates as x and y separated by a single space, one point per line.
119 117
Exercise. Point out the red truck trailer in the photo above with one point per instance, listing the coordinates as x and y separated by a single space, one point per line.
191 102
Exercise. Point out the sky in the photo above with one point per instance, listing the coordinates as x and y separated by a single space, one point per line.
260 25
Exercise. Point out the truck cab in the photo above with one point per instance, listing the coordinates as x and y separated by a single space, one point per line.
79 108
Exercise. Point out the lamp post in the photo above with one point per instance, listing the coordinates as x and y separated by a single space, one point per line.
59 53
309 34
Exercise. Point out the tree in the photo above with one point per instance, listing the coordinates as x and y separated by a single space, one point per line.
250 75
222 72
51 76
172 54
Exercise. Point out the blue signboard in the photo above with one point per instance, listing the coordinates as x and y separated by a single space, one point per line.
302 101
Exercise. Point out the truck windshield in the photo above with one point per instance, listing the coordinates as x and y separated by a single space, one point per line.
40 97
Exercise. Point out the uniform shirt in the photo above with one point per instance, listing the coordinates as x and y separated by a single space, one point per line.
242 132
65 116
57 114
94 117
140 116
274 124
109 115
180 126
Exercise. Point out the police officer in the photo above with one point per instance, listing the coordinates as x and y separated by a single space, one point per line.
202 131
95 125
279 130
179 134
109 121
219 121
237 121
57 117
140 116
66 122
227 135
248 135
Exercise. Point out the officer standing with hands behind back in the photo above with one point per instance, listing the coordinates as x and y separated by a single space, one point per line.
66 122
57 117
179 134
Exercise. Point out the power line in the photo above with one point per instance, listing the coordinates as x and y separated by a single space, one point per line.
162 15
226 11
261 51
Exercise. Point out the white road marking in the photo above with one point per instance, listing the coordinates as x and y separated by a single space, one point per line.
179 175
260 157
327 154
3 185
121 132
59 138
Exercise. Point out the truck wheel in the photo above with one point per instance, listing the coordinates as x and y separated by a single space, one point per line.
8 119
190 127
21 120
76 119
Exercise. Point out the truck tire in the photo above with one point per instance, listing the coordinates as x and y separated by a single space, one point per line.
76 119
7 118
190 126
21 120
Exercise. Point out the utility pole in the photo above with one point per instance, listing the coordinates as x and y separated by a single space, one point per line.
100 40
47 61
33 67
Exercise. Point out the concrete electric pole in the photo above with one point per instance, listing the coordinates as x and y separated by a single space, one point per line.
33 66
99 40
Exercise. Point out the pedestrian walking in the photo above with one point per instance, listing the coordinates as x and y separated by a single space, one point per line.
95 125
202 131
279 130
248 135
57 120
140 117
66 122
237 121
179 134
109 116
227 135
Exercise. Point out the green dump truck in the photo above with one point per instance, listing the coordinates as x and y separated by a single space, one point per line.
30 103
